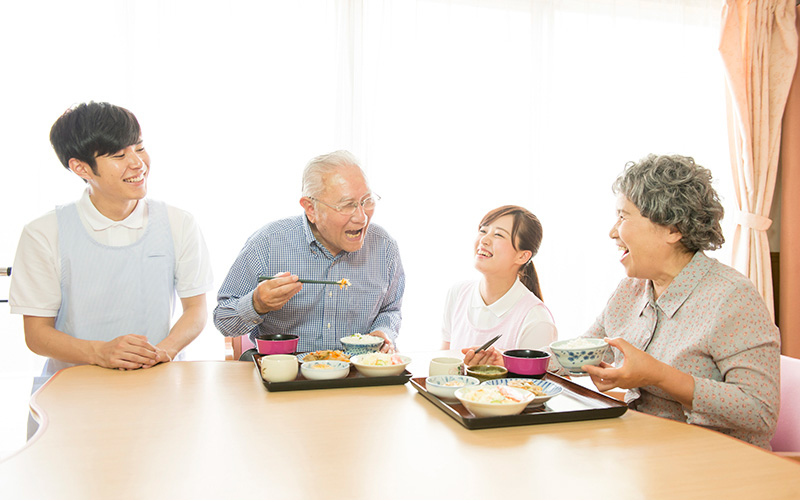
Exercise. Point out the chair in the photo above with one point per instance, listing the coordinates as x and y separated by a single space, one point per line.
786 441
241 344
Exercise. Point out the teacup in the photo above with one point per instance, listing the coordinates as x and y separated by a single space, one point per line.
446 366
279 367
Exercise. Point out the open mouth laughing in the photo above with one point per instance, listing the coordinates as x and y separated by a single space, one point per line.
354 235
134 180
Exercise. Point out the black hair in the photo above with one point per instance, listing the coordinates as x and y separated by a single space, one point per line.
93 129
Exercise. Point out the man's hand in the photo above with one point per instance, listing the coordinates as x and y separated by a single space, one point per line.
271 295
128 352
388 345
490 356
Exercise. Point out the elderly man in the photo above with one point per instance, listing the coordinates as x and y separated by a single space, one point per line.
333 240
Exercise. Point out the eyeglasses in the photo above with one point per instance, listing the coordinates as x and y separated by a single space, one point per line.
350 208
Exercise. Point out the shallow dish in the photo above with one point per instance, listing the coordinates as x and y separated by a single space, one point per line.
437 385
550 389
486 372
483 409
361 344
572 354
276 343
370 370
313 370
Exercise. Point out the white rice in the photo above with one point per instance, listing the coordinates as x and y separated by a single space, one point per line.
581 344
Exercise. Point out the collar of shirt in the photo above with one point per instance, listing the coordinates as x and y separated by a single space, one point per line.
684 284
100 222
504 303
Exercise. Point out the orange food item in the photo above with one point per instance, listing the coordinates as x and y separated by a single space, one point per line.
326 355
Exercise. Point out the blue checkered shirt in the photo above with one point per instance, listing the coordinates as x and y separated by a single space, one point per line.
319 314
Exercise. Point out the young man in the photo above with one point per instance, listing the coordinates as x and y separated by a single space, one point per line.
95 280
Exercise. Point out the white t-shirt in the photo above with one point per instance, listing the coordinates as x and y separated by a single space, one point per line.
36 281
538 329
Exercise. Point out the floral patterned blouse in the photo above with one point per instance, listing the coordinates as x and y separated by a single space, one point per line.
711 323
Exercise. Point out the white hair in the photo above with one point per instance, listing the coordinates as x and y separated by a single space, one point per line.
317 168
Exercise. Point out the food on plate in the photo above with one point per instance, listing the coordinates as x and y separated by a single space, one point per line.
454 383
493 394
528 385
321 366
344 283
380 359
326 355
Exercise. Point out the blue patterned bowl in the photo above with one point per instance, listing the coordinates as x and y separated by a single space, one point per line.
549 388
574 353
438 385
325 370
361 344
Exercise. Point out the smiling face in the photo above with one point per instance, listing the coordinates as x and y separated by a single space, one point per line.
334 230
494 250
647 248
120 181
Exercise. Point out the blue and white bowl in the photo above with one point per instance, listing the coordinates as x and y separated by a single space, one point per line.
572 354
438 385
361 344
550 389
325 370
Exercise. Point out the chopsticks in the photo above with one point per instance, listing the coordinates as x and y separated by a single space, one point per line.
487 344
313 282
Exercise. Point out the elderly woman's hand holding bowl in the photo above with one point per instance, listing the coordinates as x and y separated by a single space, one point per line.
692 339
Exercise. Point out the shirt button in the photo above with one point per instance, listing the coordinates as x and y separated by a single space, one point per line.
329 326
330 294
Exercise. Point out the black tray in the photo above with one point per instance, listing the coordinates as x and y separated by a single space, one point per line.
353 379
574 403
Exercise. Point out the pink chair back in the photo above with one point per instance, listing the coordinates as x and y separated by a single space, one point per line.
787 434
241 344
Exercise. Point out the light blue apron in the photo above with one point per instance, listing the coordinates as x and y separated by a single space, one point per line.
109 291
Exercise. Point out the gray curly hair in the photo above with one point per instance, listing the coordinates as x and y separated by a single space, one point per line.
672 190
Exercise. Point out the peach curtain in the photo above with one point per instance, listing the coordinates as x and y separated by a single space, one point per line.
759 50
789 315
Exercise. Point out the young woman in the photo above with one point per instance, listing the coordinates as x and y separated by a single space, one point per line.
507 300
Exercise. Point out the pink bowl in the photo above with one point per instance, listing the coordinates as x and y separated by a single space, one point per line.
277 343
526 361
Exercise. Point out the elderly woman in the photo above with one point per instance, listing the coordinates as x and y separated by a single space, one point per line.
693 340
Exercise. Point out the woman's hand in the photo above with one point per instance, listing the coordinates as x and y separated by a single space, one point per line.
636 371
491 356
640 369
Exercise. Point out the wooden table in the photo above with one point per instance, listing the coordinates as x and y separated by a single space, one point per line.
209 429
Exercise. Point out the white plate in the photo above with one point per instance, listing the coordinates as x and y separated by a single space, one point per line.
550 389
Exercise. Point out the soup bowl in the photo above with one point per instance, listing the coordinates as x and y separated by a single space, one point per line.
526 361
276 343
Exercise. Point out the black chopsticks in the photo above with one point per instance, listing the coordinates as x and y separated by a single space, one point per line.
487 344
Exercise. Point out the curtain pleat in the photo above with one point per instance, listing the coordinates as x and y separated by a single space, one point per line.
759 49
